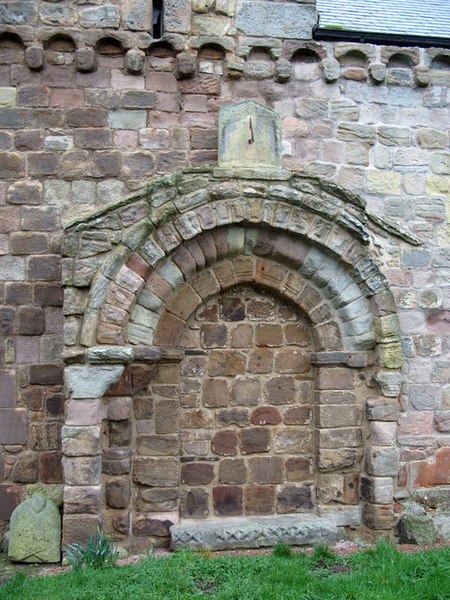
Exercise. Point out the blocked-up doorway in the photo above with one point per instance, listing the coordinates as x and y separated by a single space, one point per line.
246 408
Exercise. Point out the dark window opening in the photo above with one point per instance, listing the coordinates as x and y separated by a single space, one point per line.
157 19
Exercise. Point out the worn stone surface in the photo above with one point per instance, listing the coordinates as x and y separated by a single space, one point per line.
35 532
254 532
91 382
286 21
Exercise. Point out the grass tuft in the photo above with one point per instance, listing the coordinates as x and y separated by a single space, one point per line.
323 556
282 551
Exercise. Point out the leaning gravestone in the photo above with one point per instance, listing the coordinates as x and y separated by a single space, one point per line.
35 532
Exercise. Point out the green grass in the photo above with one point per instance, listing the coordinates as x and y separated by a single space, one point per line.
379 574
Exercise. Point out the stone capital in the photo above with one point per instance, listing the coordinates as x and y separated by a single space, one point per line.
91 382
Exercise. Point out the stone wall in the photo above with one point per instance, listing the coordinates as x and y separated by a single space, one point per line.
93 108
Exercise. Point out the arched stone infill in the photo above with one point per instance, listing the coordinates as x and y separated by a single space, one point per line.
137 271
268 274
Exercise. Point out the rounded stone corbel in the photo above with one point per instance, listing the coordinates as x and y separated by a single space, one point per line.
331 70
134 61
34 57
86 60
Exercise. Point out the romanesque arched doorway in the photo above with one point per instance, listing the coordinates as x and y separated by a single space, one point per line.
188 289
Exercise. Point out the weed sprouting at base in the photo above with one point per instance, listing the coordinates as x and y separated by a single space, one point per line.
98 552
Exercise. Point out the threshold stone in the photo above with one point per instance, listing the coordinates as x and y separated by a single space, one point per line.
254 532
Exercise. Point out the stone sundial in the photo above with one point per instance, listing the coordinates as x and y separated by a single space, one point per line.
249 136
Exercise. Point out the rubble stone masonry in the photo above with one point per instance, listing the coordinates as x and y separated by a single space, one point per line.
271 344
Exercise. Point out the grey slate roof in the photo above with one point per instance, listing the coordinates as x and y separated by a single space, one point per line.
429 18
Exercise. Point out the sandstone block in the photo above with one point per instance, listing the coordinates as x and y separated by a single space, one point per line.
382 461
281 390
246 391
293 440
82 500
333 416
158 445
100 16
266 470
299 415
266 415
80 441
9 499
273 20
233 416
382 409
215 393
377 516
379 490
146 526
259 500
154 499
232 471
118 492
432 138
442 420
383 433
336 378
13 426
292 499
7 385
298 468
227 500
224 443
156 472
340 438
79 528
82 470
25 470
91 382
199 473
260 361
254 440
339 458
194 504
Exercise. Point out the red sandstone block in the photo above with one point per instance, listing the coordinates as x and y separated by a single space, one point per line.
50 467
9 499
42 163
202 84
86 117
416 423
227 500
44 268
29 140
9 219
30 320
336 379
13 426
33 95
426 474
67 97
137 264
45 374
259 500
225 443
19 293
7 388
39 218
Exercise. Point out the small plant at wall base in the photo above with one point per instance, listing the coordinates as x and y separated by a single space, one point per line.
98 552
